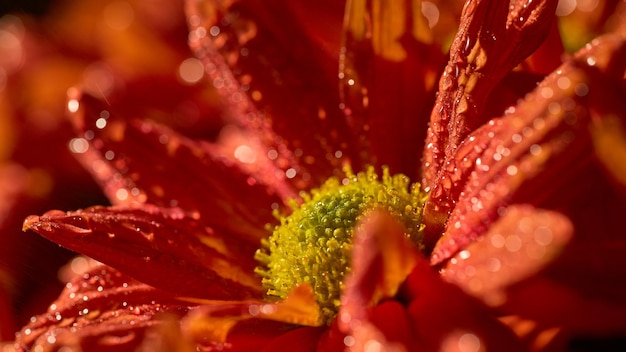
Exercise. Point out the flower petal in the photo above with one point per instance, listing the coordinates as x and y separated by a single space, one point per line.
142 162
381 260
388 68
493 38
446 319
93 311
516 246
270 55
161 247
499 163
235 323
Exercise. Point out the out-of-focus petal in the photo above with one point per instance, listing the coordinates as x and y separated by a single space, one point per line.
446 319
518 245
303 339
382 259
93 313
566 308
388 69
275 80
499 163
236 324
143 162
162 247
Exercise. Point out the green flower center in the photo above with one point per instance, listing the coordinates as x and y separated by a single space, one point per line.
313 244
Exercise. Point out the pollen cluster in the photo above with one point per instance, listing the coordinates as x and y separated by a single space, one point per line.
313 244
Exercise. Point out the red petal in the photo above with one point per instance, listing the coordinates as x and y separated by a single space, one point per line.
480 57
274 78
381 259
101 310
554 304
387 73
300 339
493 38
522 157
141 162
162 247
514 248
393 320
446 319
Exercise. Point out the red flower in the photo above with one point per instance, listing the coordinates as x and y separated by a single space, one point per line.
523 190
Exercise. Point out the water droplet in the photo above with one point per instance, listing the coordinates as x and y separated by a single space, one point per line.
78 145
469 343
513 243
581 89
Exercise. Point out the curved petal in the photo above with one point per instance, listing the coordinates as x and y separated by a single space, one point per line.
161 247
518 245
93 311
388 68
446 319
522 157
493 38
562 306
143 162
264 60
246 324
303 339
381 260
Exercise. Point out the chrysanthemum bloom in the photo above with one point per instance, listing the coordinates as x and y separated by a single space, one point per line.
509 242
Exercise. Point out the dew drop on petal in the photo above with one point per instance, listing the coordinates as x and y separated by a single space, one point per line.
513 243
191 70
547 92
563 82
245 154
73 105
254 310
494 265
535 149
290 173
469 343
121 194
511 170
581 90
543 235
78 145
372 346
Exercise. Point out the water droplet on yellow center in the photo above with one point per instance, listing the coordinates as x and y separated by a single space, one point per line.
313 244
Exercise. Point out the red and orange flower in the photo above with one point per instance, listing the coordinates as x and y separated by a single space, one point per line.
522 188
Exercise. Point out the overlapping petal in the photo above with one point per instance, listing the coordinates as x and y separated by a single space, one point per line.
386 45
139 161
162 247
95 311
493 38
499 163
278 80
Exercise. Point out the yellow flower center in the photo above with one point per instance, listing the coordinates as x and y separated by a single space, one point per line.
313 244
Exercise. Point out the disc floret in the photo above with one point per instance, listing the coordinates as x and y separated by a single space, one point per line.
313 244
